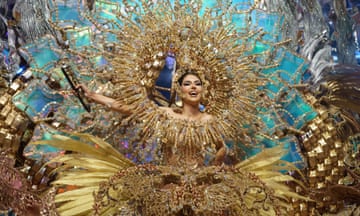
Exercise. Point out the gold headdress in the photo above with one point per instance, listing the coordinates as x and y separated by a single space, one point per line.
200 43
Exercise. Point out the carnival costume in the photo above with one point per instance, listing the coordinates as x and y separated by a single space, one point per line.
135 52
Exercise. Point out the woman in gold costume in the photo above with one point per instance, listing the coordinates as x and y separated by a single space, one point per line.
190 178
187 174
184 153
179 152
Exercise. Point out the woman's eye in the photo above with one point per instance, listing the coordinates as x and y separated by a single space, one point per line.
192 83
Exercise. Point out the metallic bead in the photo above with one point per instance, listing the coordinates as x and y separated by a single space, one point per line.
333 156
4 100
335 171
321 170
320 152
338 144
327 163
5 111
313 178
10 119
8 140
327 136
320 185
312 158
323 145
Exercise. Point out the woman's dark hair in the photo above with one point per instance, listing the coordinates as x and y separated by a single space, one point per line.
188 72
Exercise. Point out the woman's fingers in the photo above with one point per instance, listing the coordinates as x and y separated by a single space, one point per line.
83 88
80 86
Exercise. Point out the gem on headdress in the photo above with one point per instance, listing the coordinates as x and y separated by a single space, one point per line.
170 61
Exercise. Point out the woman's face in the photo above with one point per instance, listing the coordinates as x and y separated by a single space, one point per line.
191 89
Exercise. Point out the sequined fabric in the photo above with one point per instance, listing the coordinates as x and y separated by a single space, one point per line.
106 183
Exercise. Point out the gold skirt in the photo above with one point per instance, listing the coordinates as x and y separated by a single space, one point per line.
107 183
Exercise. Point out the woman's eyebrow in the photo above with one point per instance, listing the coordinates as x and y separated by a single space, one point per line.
189 81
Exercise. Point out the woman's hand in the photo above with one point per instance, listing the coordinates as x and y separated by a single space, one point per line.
104 100
86 91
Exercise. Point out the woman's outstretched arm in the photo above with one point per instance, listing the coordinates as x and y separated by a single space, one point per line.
107 101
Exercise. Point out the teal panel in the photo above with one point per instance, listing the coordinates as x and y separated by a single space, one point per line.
37 101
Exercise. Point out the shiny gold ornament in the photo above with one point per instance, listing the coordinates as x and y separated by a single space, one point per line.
195 45
4 100
10 119
5 111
